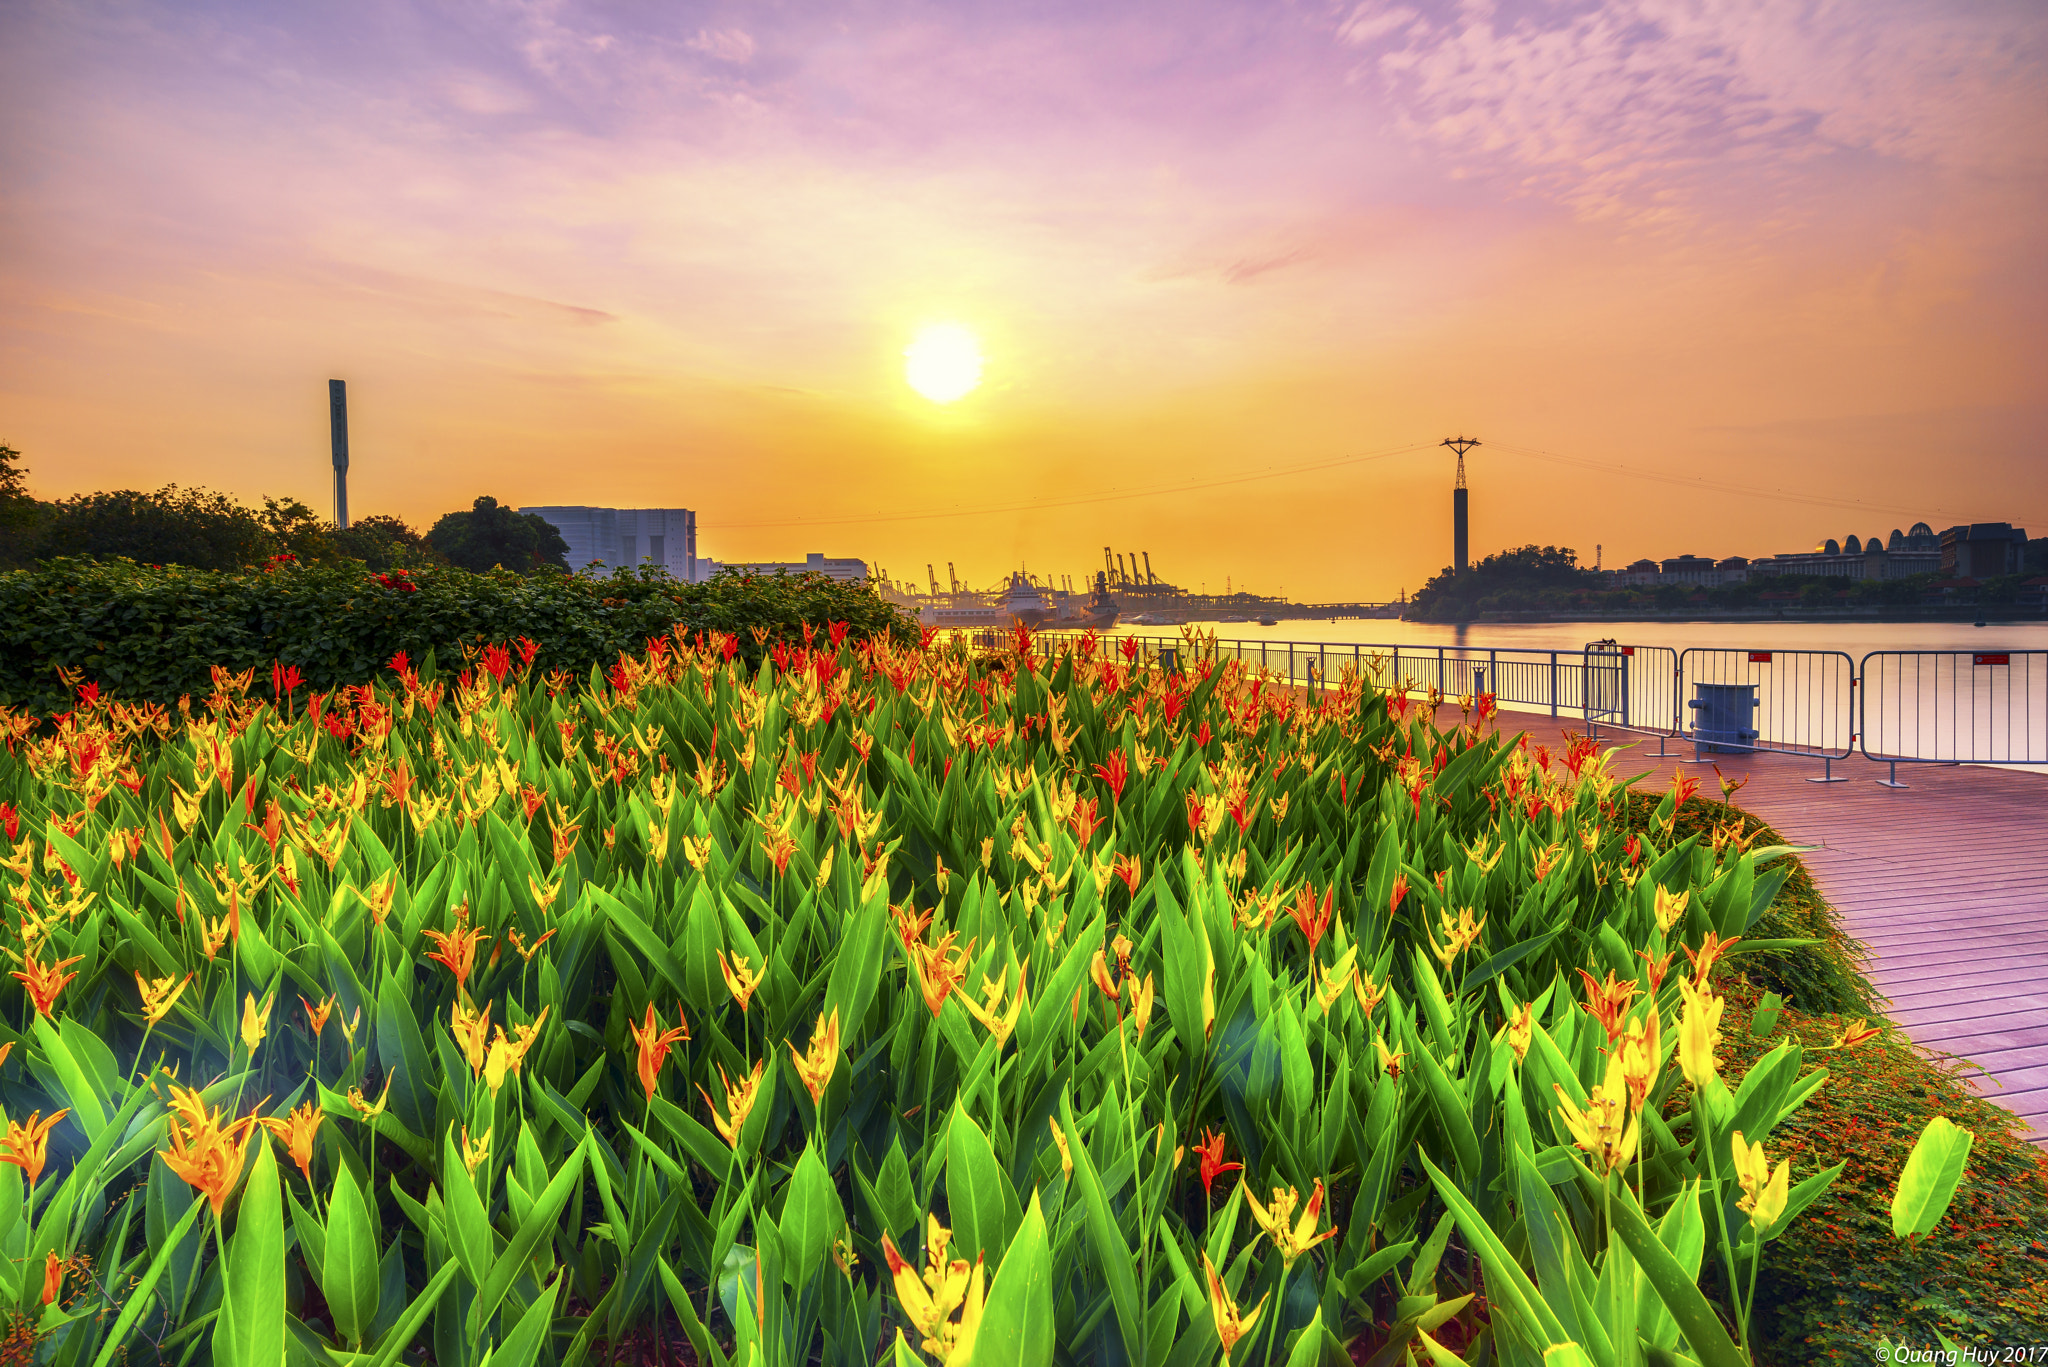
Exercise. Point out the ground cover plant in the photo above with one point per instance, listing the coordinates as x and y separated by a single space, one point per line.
874 998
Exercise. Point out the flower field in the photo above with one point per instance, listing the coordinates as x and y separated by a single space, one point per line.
877 1003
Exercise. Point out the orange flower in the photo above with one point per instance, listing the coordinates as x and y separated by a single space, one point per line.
44 983
1608 1002
296 1130
1854 1032
53 1277
316 1016
779 846
1311 915
1710 950
1290 1241
1098 972
817 1066
457 948
207 1150
1141 1003
739 1104
28 1146
368 1110
940 969
654 1043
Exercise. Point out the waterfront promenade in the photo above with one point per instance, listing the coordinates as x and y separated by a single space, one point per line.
1946 883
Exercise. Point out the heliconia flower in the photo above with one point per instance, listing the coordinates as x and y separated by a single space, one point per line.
1368 993
1141 1003
1699 1030
160 996
1711 949
739 1103
544 894
1521 1028
1670 909
296 1129
1115 773
27 1145
44 982
1312 915
457 948
1105 983
1290 1241
207 1150
779 846
1608 1001
316 1016
475 1153
10 820
471 1030
1642 1057
989 1011
929 1300
815 1068
1459 935
1085 821
1211 1153
1399 893
1658 966
256 1020
740 978
1853 1033
940 968
654 1042
1231 1326
1390 1059
1059 1139
1605 1129
368 1110
1764 1189
53 1277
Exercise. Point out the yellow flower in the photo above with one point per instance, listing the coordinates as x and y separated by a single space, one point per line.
930 1299
1699 1030
1290 1241
1231 1325
1764 1190
1335 979
1141 1003
1059 1138
206 1149
1459 935
160 996
471 1029
739 1104
1642 1058
28 1146
1604 1129
475 1154
1369 993
255 1022
1390 1059
740 978
297 1129
998 1022
817 1066
1520 1030
1670 908
367 1110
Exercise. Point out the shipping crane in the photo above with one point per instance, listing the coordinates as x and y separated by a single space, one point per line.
933 575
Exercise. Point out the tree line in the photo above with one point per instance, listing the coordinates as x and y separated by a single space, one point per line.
208 530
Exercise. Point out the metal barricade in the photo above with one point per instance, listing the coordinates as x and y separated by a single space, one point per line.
1805 699
1954 707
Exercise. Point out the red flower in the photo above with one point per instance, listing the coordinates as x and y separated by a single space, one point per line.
88 694
1213 1166
836 631
1129 647
1202 734
401 662
11 818
1400 891
497 660
528 648
284 680
1114 774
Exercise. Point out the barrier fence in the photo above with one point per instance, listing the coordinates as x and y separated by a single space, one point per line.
1896 706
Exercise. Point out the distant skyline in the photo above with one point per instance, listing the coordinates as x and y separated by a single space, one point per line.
1713 276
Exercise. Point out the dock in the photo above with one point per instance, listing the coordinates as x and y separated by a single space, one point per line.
1945 882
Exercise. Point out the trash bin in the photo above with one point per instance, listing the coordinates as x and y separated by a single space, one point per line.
1169 660
1723 714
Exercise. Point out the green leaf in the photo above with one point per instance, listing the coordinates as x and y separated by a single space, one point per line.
1928 1181
811 1215
1017 1320
349 1277
537 1225
251 1327
79 1093
139 1298
978 1191
1111 1251
1681 1295
408 1327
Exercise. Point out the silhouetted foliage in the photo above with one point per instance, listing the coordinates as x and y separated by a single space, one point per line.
199 528
490 535
1522 573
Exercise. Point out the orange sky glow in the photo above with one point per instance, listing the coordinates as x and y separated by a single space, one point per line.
1712 276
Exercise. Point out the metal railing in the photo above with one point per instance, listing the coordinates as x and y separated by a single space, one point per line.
1899 706
1954 707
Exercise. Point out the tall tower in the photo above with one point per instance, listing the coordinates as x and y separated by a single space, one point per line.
1461 507
337 421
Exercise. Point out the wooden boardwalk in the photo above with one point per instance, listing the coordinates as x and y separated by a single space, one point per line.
1945 881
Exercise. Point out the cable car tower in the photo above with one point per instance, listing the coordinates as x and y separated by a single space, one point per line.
1461 507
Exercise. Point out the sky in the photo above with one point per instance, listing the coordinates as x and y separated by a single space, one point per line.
1708 276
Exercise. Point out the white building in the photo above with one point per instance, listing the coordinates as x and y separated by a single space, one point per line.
852 571
632 537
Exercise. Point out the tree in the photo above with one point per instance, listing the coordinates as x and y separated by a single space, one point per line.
196 527
383 542
1529 572
17 512
489 535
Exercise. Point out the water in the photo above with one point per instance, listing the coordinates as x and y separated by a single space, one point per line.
1934 691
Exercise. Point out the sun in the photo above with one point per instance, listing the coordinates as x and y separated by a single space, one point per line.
943 363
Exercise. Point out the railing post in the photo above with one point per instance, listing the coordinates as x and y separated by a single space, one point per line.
1553 683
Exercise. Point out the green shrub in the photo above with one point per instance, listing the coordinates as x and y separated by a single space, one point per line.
153 632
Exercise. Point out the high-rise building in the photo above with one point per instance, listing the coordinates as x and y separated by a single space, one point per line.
613 537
